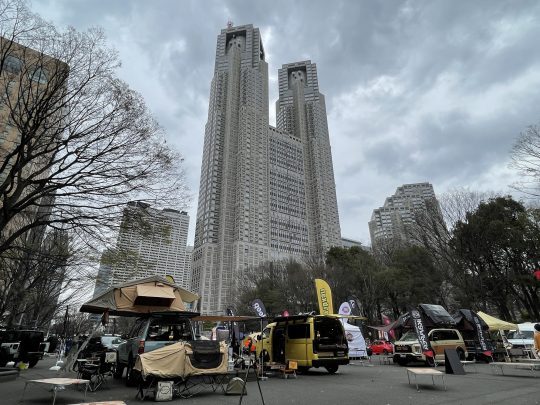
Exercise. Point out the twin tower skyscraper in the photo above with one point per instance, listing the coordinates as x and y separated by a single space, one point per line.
266 193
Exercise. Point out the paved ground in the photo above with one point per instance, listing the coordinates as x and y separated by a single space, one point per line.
353 384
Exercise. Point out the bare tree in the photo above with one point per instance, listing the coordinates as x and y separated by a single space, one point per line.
526 159
78 142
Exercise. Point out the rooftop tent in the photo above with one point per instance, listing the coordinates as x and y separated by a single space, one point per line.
496 324
436 315
148 295
464 320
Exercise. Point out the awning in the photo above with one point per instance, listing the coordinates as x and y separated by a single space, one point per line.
226 318
496 324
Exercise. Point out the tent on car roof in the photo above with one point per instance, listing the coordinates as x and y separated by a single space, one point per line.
144 296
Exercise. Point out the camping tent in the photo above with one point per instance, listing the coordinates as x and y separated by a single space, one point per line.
144 296
355 340
496 324
184 359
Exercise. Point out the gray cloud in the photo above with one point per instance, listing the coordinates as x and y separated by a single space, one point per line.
416 90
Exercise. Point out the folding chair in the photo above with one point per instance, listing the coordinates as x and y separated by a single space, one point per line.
96 373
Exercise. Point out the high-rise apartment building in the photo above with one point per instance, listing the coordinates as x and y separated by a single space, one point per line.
150 242
393 221
265 193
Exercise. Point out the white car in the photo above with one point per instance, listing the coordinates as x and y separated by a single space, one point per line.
523 338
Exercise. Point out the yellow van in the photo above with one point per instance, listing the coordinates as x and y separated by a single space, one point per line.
309 340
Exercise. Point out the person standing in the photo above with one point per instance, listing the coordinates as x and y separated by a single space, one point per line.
536 348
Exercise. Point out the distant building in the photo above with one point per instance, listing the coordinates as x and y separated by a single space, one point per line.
393 222
104 278
28 78
265 193
151 242
348 243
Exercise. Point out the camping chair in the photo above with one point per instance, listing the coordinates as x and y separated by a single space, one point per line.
96 373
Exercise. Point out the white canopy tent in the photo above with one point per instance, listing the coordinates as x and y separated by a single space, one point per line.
355 339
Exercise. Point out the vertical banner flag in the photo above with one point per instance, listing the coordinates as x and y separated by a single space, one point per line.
480 334
259 308
345 309
354 304
235 328
422 334
386 321
324 296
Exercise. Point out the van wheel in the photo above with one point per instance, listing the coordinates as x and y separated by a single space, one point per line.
461 354
331 369
302 369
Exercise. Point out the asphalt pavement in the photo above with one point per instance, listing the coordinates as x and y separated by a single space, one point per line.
357 383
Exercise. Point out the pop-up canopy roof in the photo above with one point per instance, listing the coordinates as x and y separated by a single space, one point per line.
496 324
148 295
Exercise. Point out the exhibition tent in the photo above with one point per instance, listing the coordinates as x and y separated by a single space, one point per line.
355 340
496 324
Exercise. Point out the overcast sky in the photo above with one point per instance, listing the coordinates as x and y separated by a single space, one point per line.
416 90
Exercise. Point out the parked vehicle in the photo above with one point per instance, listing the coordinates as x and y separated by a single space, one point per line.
21 345
523 337
381 347
111 341
408 349
151 333
310 340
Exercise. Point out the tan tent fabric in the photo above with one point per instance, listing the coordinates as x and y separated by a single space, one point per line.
189 369
173 361
148 295
157 295
496 324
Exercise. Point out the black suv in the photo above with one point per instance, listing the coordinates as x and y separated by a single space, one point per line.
21 345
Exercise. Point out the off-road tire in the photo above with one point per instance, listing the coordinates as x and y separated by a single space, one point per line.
402 362
332 369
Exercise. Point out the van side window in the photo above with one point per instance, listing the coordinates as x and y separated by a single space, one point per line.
266 333
300 331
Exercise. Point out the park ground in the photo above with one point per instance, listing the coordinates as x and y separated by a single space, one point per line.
357 383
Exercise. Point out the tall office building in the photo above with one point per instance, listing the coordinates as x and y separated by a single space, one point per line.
265 193
394 220
150 242
301 112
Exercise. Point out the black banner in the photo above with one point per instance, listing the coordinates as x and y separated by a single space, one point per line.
480 334
355 305
235 329
259 308
422 334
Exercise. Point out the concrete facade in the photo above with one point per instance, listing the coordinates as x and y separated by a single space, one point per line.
150 242
265 193
391 221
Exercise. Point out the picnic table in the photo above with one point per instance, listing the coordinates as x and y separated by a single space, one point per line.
425 371
57 383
